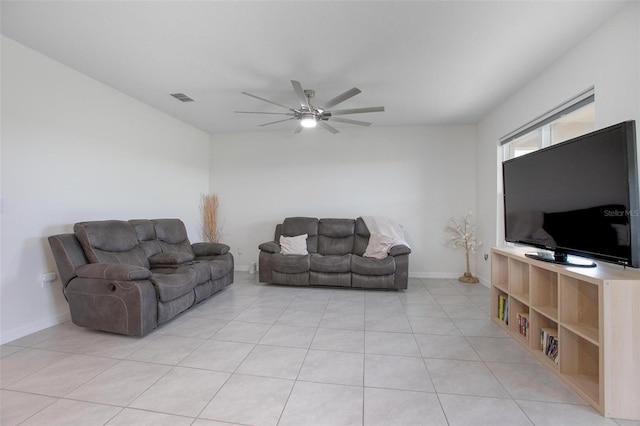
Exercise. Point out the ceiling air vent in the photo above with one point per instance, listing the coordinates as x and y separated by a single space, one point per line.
182 97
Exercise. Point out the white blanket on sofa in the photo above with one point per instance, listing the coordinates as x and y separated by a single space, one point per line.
386 227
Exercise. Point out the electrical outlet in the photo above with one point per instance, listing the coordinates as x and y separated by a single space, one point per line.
47 278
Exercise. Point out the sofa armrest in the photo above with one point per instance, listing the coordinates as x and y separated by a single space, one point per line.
110 271
210 249
170 259
399 250
270 247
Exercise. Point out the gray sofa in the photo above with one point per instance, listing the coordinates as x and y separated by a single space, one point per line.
128 277
335 257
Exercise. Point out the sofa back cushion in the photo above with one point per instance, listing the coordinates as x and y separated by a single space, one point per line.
336 236
293 226
172 236
146 234
361 240
110 241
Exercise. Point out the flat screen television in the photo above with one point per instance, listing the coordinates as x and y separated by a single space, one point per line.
578 198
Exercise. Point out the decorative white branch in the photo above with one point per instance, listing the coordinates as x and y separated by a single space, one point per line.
463 235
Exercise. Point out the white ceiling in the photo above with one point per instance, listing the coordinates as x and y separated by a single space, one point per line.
427 62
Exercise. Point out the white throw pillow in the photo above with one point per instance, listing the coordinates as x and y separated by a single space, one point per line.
294 245
379 246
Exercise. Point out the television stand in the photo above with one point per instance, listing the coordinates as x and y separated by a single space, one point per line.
593 314
561 259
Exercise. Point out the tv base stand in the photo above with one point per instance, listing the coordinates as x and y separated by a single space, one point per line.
561 259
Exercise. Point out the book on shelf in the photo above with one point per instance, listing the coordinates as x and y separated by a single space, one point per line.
506 311
503 308
523 323
549 342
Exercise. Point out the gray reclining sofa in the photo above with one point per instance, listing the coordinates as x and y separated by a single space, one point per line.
128 277
335 257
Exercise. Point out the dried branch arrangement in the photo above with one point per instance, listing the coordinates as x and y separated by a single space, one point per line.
209 209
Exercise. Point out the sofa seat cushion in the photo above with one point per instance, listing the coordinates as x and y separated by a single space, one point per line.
290 264
219 268
170 258
330 279
322 263
371 266
202 270
172 286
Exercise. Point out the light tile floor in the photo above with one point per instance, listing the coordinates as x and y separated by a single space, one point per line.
259 354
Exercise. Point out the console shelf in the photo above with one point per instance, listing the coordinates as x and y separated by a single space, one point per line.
593 314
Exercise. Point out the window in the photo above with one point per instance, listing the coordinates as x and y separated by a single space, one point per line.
573 118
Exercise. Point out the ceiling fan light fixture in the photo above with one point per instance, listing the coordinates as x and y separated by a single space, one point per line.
309 115
308 120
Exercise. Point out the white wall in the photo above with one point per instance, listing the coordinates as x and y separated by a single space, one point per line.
418 176
608 59
74 149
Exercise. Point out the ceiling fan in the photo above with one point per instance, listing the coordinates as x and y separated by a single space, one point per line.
309 115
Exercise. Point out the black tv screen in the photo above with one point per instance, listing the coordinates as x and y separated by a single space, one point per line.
579 197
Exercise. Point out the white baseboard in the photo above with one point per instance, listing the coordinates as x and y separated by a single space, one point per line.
33 327
241 268
484 281
446 276
434 275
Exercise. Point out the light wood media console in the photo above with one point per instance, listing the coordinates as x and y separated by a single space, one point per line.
596 312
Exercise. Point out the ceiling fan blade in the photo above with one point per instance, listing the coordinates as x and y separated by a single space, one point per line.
274 122
267 100
348 121
304 102
259 112
340 98
358 110
328 127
